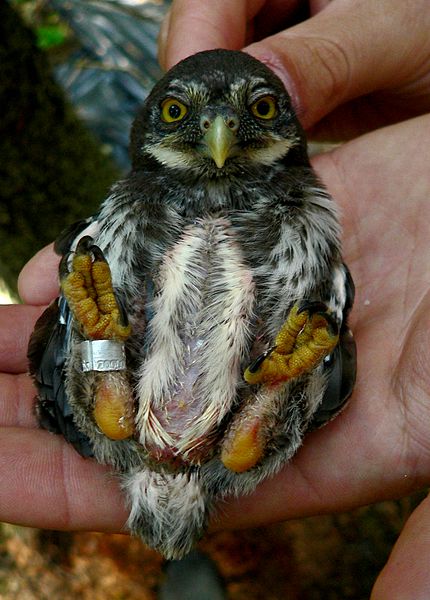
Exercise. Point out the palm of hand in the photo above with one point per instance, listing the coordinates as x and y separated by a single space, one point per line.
378 447
385 200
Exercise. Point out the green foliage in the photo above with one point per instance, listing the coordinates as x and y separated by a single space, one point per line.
50 31
50 35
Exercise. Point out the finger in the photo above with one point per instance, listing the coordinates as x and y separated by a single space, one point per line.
163 36
348 50
194 26
16 324
38 280
17 394
345 51
45 483
406 575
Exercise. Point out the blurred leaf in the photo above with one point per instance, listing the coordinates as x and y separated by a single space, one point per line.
50 35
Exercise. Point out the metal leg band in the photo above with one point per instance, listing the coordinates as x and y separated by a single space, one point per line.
102 355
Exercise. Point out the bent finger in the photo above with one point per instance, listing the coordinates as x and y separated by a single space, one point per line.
348 50
38 280
193 26
45 483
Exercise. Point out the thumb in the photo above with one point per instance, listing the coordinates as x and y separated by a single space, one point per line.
347 50
406 575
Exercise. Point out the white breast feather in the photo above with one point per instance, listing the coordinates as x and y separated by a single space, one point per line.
206 294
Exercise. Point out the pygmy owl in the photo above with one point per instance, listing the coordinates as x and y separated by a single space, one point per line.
201 329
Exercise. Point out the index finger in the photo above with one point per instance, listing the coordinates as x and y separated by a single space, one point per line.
16 324
193 26
45 483
38 280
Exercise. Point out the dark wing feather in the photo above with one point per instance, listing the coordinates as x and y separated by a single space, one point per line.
340 366
47 355
47 352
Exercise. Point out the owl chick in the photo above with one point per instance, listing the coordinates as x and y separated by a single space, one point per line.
201 329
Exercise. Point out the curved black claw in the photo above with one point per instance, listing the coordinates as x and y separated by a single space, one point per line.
63 267
97 252
315 307
312 307
120 300
332 324
84 245
256 364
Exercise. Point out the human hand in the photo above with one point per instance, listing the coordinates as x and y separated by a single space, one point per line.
379 447
350 68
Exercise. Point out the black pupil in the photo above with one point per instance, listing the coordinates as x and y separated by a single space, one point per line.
174 111
263 107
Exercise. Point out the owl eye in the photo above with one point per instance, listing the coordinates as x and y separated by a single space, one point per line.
172 110
264 108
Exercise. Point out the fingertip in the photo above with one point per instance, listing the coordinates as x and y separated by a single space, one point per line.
193 26
163 36
406 574
38 280
56 488
274 60
339 54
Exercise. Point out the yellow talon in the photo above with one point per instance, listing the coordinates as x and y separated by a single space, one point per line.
90 295
303 341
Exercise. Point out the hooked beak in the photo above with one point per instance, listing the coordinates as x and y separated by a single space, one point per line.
219 140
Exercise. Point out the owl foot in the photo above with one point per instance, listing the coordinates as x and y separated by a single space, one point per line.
88 290
87 287
309 334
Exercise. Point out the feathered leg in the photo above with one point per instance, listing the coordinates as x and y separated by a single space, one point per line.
87 288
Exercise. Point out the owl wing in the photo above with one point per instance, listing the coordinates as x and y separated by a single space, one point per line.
47 353
341 365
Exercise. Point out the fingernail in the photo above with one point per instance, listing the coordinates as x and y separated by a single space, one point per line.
162 39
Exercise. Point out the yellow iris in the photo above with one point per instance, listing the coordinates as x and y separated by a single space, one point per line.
173 110
264 108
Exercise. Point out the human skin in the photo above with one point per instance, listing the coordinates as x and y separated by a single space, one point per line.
354 66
